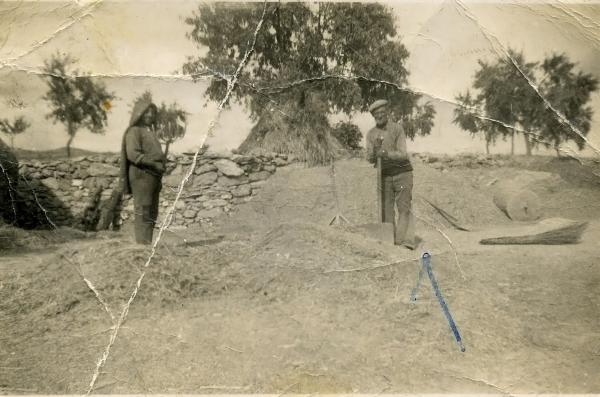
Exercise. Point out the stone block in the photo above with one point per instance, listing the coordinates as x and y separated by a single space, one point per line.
101 169
229 168
227 181
241 191
204 168
259 176
209 213
205 179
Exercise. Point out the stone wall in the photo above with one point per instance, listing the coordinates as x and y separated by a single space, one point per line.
68 189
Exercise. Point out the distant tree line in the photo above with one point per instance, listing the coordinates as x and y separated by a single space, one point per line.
546 102
311 61
78 101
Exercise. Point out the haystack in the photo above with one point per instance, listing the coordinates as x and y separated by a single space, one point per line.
295 130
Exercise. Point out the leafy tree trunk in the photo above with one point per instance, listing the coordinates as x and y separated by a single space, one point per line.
557 148
527 145
487 146
71 132
512 144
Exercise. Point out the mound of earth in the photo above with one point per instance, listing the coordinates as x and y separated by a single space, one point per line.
15 238
285 227
310 195
287 303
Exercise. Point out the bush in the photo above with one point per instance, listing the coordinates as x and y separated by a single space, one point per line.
348 135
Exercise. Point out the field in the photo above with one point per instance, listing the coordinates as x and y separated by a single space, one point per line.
285 303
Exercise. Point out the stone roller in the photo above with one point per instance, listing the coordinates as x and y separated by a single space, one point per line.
517 202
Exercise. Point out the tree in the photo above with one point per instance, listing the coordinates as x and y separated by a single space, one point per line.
171 121
568 93
347 54
504 98
18 126
171 124
466 117
348 134
76 101
515 95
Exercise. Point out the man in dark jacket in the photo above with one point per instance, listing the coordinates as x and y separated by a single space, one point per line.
142 167
388 141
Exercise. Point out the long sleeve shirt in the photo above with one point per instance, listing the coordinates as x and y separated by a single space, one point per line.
142 146
394 143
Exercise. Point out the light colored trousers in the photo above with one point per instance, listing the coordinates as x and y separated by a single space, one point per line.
397 207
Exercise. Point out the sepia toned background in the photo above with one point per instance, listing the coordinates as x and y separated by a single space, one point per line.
268 271
126 42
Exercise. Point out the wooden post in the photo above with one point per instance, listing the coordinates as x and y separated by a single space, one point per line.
379 191
380 206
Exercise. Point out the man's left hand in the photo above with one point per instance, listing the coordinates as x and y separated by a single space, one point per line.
382 153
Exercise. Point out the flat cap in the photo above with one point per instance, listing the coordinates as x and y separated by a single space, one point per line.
377 104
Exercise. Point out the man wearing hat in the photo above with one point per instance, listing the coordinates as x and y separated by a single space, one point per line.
387 141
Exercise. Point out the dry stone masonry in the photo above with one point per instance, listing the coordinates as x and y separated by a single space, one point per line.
220 182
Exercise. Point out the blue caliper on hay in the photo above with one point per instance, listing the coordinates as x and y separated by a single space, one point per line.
426 268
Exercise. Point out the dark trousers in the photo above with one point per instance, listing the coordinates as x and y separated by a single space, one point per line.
397 207
146 190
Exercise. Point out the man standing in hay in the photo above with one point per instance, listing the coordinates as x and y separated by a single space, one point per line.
142 167
387 141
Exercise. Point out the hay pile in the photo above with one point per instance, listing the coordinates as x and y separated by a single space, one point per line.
470 205
113 266
285 226
14 238
307 195
306 134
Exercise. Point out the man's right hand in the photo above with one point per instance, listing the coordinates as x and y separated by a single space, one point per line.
156 165
159 166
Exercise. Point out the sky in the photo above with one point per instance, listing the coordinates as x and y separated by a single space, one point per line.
133 46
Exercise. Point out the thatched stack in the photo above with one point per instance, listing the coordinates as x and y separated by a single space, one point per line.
294 130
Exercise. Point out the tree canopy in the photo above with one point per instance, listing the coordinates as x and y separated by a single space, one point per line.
346 53
545 101
76 101
348 134
568 93
18 126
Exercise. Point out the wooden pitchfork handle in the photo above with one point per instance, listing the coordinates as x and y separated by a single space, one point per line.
379 191
379 184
